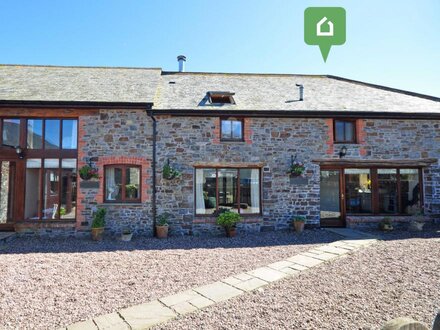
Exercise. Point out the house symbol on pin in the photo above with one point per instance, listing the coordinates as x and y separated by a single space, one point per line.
320 33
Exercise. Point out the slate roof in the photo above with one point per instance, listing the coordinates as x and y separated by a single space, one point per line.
188 91
82 84
279 92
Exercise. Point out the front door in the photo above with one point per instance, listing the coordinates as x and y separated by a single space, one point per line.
7 194
332 198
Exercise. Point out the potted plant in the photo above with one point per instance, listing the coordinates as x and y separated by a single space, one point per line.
87 172
229 220
170 173
386 224
98 224
298 223
130 190
162 225
127 234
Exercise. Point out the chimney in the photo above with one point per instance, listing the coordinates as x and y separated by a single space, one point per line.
301 92
181 59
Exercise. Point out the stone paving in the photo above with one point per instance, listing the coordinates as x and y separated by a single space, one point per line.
164 309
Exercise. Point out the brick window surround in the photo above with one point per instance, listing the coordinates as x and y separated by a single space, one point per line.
123 160
360 136
247 131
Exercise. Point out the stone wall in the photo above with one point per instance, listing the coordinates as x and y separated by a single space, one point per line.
4 190
268 143
116 137
271 143
126 137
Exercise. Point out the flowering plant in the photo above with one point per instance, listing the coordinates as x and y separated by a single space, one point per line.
87 172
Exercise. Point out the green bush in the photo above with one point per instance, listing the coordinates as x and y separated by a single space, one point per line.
299 218
162 220
228 219
99 218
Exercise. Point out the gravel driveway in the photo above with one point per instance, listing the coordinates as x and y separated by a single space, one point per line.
47 283
396 277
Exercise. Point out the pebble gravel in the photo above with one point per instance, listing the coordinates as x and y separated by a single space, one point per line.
399 276
46 283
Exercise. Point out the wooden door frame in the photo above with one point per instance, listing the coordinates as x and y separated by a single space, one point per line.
342 207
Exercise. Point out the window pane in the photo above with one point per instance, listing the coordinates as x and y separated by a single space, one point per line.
35 133
50 194
68 189
236 130
52 134
358 190
339 131
387 183
349 131
410 191
33 163
205 191
113 183
226 129
227 189
11 132
32 189
132 177
249 191
69 134
51 163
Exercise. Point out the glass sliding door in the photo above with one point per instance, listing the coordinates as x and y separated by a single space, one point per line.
410 191
358 191
330 198
387 190
32 209
68 189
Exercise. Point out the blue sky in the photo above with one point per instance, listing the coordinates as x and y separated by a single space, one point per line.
394 43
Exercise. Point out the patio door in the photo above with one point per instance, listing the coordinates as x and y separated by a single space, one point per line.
8 170
332 198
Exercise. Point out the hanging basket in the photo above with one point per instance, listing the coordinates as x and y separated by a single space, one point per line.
169 173
87 173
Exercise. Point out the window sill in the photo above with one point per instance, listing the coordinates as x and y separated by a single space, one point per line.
213 220
124 204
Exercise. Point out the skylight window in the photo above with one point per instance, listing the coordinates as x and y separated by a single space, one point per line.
220 98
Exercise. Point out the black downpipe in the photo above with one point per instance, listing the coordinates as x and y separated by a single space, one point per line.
154 170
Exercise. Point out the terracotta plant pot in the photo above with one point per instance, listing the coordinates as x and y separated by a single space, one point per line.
162 231
97 233
126 237
299 226
231 232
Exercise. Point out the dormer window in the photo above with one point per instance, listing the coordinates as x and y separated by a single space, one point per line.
220 98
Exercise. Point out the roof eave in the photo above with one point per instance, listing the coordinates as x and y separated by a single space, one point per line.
75 104
297 114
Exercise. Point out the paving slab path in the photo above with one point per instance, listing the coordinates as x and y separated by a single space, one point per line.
145 316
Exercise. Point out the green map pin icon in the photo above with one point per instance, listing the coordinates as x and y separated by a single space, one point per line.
325 27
